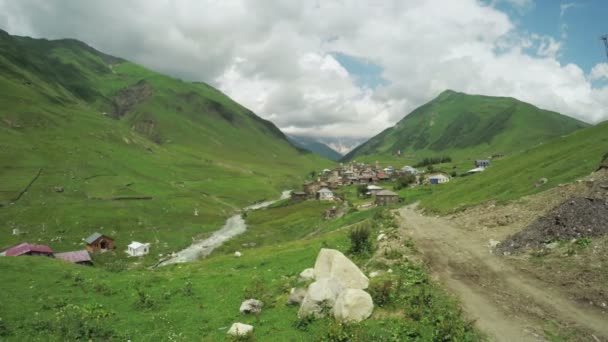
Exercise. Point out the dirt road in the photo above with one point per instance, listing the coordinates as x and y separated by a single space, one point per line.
506 305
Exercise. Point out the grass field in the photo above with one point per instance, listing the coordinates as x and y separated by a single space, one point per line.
200 301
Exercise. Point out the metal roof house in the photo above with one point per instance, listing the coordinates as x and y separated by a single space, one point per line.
99 242
385 197
29 249
76 257
325 195
138 249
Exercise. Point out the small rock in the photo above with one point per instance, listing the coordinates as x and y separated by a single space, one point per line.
390 270
493 243
374 274
552 245
296 296
353 305
240 329
237 254
58 189
253 306
381 237
306 275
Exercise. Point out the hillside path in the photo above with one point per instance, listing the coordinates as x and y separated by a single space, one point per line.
505 304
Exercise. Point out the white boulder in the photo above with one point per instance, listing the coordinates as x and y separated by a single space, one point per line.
353 305
296 296
240 329
381 237
237 254
333 264
253 306
306 275
321 295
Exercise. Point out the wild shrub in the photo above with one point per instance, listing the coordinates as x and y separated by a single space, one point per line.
360 242
75 323
381 292
340 332
188 290
144 300
404 181
4 330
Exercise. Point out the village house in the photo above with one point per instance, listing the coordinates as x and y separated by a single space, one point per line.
381 176
138 249
76 257
409 170
386 197
311 188
99 242
438 179
482 163
325 195
298 196
372 190
29 249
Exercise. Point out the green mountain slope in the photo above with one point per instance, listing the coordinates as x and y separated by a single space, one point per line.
561 160
314 146
467 126
91 142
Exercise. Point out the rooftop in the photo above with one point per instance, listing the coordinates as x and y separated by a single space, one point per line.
75 256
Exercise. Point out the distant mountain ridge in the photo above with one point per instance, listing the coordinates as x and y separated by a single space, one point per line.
315 146
463 124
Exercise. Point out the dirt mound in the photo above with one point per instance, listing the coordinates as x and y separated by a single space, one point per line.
573 219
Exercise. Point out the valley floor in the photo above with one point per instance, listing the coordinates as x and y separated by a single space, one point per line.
507 304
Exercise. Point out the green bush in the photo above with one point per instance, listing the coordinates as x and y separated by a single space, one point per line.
359 239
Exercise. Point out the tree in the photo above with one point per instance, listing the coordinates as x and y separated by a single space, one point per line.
361 190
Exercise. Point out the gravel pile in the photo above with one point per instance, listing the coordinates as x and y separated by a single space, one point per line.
573 219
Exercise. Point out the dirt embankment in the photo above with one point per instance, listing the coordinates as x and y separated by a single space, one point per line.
506 303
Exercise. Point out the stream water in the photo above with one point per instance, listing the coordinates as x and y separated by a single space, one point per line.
233 226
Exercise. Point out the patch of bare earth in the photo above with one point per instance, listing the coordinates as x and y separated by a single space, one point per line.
532 296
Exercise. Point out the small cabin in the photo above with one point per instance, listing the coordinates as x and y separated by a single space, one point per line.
386 197
76 257
482 163
438 179
29 249
298 196
325 195
138 249
99 242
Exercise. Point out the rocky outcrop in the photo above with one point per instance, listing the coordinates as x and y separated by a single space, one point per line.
251 306
338 289
296 296
306 275
353 305
333 264
240 329
320 297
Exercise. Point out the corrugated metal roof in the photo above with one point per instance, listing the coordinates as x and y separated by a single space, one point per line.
386 193
325 190
75 256
136 244
92 238
26 248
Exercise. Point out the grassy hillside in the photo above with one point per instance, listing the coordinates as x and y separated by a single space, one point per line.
561 160
200 301
91 142
465 127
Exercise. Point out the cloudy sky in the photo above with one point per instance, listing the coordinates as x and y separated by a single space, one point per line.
339 68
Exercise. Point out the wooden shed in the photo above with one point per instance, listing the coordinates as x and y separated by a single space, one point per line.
99 242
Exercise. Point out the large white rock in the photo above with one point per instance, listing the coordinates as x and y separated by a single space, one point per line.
333 264
306 275
296 296
240 329
320 297
353 305
253 306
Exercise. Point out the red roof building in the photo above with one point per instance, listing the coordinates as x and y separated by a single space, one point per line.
29 249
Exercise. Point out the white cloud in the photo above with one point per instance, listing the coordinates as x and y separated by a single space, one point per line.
599 71
277 57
